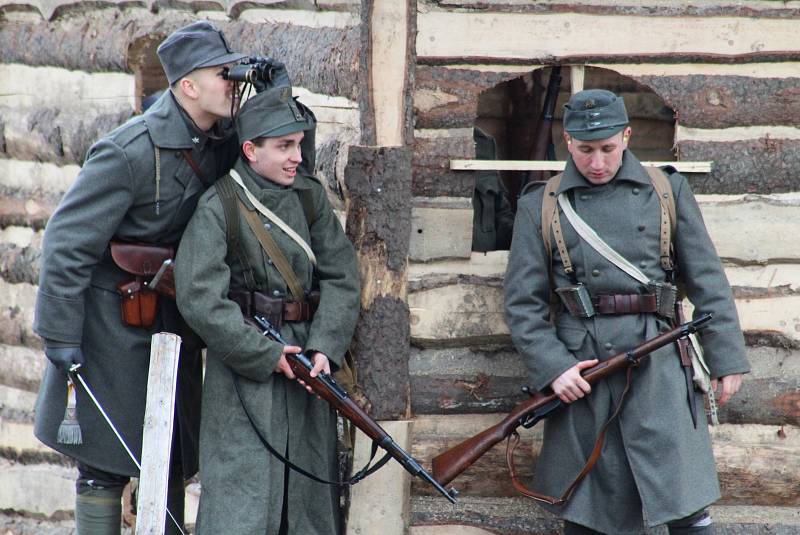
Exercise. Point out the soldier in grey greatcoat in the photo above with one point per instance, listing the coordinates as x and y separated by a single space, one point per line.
246 490
120 195
656 466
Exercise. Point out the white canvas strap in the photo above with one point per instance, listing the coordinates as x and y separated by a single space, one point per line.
269 214
592 238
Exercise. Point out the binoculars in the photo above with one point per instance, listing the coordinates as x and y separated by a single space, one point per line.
255 70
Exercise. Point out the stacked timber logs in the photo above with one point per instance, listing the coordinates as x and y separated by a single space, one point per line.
719 82
69 73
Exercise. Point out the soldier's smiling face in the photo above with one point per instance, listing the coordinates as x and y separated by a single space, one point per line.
275 158
598 161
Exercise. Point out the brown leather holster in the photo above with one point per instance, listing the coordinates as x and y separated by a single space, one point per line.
139 303
276 309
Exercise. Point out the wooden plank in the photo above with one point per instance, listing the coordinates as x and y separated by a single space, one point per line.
388 27
380 503
157 437
519 515
576 77
508 37
430 238
545 165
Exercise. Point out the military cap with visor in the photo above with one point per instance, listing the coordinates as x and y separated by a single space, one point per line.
193 47
272 113
594 114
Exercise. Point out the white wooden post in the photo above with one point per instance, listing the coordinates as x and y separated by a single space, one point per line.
157 440
576 74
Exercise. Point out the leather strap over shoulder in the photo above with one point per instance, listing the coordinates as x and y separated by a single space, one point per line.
227 195
550 219
668 216
274 252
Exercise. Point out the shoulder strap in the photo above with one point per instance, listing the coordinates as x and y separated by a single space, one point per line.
550 218
666 199
274 252
307 200
227 195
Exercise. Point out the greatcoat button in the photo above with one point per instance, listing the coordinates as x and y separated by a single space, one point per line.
276 293
585 197
641 228
595 273
635 191
643 263
608 345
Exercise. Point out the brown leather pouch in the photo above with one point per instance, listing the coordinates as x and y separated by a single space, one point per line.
146 261
139 304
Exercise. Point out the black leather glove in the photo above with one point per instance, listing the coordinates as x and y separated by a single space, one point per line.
273 75
64 357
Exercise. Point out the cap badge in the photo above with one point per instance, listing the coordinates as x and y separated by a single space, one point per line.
589 104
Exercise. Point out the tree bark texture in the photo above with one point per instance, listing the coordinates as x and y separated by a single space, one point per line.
323 60
378 181
431 167
725 101
763 165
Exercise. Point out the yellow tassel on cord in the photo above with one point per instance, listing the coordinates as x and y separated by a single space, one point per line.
69 432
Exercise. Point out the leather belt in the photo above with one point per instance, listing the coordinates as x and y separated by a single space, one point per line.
625 304
276 309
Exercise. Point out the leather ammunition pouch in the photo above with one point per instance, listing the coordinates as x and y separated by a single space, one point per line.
139 301
276 309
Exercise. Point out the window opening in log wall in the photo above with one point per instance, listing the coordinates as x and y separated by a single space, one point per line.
147 70
509 114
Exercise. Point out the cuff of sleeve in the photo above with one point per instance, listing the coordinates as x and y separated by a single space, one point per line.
58 319
257 365
330 350
724 352
544 371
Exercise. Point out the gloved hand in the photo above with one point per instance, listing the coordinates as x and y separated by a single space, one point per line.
64 357
272 74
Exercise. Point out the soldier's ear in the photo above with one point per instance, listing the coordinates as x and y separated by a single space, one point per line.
188 87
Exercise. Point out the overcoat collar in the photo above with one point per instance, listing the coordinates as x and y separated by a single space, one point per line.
631 170
258 184
170 127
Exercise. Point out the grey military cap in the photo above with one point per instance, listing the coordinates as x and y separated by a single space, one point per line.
594 114
272 113
192 47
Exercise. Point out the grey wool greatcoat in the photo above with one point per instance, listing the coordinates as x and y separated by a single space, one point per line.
114 196
654 463
243 484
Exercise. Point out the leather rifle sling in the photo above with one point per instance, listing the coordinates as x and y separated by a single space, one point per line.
273 252
187 155
513 441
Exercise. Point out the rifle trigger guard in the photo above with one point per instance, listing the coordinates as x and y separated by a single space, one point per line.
632 361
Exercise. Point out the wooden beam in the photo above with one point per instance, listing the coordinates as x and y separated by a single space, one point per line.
545 165
576 75
157 439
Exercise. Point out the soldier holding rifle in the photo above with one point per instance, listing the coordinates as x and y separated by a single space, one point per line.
657 465
265 241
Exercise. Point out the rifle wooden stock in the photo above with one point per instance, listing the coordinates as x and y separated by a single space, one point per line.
328 389
449 464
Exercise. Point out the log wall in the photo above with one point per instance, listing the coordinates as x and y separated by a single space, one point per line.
717 82
72 71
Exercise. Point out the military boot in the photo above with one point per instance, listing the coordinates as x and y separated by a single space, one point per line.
98 511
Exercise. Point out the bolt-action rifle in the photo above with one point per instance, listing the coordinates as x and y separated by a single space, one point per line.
449 464
328 389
